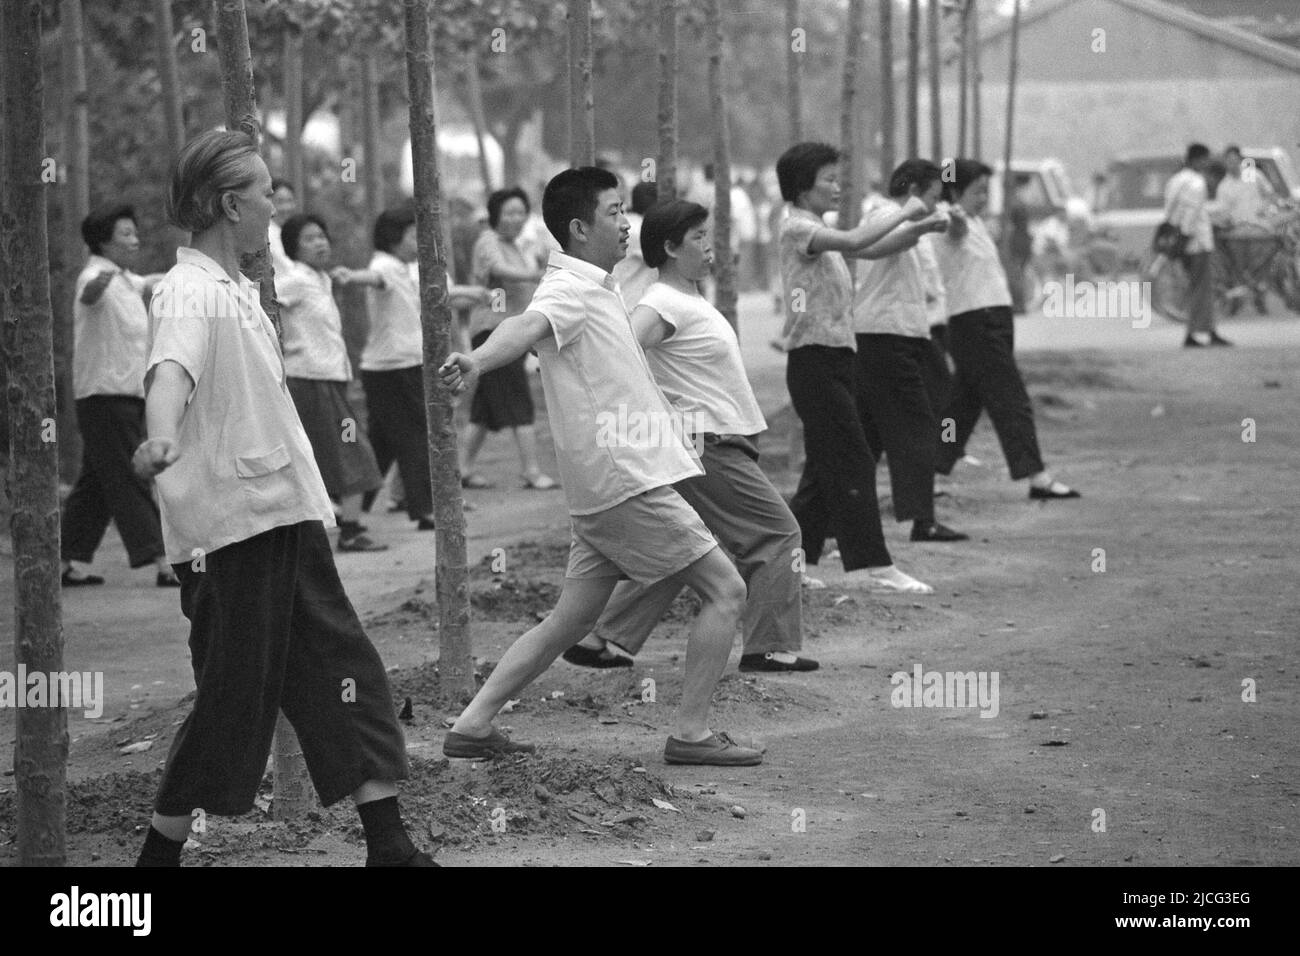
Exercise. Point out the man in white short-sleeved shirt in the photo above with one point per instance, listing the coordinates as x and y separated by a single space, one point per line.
620 446
217 332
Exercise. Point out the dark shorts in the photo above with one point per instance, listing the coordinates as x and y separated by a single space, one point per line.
343 453
502 398
272 630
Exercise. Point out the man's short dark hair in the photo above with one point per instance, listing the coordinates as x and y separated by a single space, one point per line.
644 195
1232 148
1196 151
97 228
292 229
964 174
391 226
573 194
278 183
913 172
499 198
668 222
796 170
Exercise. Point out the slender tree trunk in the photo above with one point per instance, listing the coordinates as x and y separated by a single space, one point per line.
977 80
913 78
582 112
373 172
474 95
295 167
666 163
173 112
963 79
76 206
455 665
725 272
888 114
290 769
41 744
936 73
794 71
1008 178
849 190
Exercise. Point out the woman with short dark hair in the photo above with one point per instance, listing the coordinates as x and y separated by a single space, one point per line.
244 512
110 333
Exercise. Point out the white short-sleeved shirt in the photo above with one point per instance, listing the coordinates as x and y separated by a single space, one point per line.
631 273
818 286
110 337
615 433
246 465
890 294
973 277
1186 206
396 339
311 324
699 366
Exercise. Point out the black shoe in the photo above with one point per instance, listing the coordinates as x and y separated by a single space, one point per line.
1191 343
359 542
601 659
768 662
167 579
80 581
418 858
424 524
933 531
1048 493
1217 339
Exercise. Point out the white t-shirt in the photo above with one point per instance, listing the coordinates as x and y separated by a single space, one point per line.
890 294
1186 206
615 433
312 327
396 340
699 366
972 270
246 465
110 338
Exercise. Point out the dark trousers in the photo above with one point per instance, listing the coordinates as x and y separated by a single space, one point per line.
398 432
898 419
271 629
837 493
112 427
1200 304
982 343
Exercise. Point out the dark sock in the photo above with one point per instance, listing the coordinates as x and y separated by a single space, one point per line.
158 850
387 843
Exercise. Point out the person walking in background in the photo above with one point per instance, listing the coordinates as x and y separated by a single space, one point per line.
110 336
695 358
1242 202
837 493
632 273
244 513
503 398
318 372
895 354
981 340
1186 208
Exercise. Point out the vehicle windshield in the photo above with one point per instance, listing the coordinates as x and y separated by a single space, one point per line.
1141 184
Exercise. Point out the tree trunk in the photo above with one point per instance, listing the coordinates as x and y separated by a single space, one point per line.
1008 179
373 169
455 664
888 117
849 191
963 79
913 78
666 164
794 72
474 95
936 72
582 106
295 167
725 271
41 743
977 80
173 112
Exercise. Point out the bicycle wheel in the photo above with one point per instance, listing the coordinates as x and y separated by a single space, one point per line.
1170 288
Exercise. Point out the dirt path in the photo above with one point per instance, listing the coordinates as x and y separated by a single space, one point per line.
1119 691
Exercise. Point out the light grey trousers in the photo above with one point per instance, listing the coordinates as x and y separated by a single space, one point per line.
754 525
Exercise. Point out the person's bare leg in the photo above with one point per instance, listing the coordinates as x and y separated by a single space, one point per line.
173 828
350 508
722 601
526 439
474 439
575 614
374 790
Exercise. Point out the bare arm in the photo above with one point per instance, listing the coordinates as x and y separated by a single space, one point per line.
167 389
902 238
867 233
341 275
649 326
96 286
465 296
509 340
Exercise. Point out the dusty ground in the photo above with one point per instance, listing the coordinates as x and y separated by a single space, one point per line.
1120 691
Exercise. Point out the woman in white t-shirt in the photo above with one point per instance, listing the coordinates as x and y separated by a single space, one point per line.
695 359
981 340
